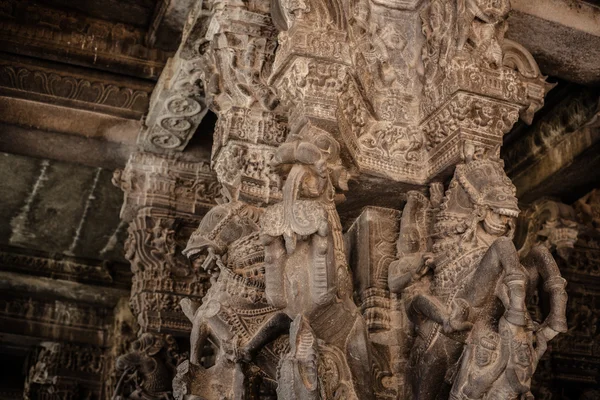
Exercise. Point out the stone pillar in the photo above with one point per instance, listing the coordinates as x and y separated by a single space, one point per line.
239 46
165 199
402 94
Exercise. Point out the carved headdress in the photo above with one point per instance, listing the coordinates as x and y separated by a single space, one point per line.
223 225
478 186
487 185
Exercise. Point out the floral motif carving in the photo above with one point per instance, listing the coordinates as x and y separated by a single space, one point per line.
109 97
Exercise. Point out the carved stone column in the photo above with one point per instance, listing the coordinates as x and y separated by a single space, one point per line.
165 198
394 93
236 41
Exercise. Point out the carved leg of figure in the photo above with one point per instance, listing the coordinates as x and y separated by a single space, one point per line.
451 320
428 306
359 361
429 366
483 361
275 256
198 337
276 326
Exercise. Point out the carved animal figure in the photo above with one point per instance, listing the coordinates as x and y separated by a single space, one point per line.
306 275
146 370
227 245
476 305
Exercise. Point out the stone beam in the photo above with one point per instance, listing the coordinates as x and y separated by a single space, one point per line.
556 156
73 87
48 33
168 22
64 290
177 107
562 35
91 151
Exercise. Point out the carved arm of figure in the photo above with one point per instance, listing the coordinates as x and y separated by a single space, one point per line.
454 319
423 305
540 259
407 270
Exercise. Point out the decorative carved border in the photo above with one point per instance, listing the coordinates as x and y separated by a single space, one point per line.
60 269
22 78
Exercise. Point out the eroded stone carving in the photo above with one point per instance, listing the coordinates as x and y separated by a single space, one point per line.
306 275
147 370
474 334
64 371
234 44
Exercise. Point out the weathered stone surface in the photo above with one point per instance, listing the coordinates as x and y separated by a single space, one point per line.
75 87
562 35
32 29
556 155
167 24
58 208
239 256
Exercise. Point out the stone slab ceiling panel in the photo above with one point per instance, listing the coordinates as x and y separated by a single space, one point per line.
61 208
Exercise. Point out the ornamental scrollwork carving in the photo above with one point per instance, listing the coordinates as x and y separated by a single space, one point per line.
162 276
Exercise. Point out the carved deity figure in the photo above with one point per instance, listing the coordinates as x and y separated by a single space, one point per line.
306 275
474 27
481 25
474 336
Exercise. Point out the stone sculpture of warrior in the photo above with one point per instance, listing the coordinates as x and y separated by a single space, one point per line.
474 336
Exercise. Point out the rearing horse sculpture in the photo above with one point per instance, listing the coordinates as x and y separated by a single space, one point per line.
234 312
306 275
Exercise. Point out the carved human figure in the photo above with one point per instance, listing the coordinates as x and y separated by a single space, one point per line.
481 25
474 333
306 275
